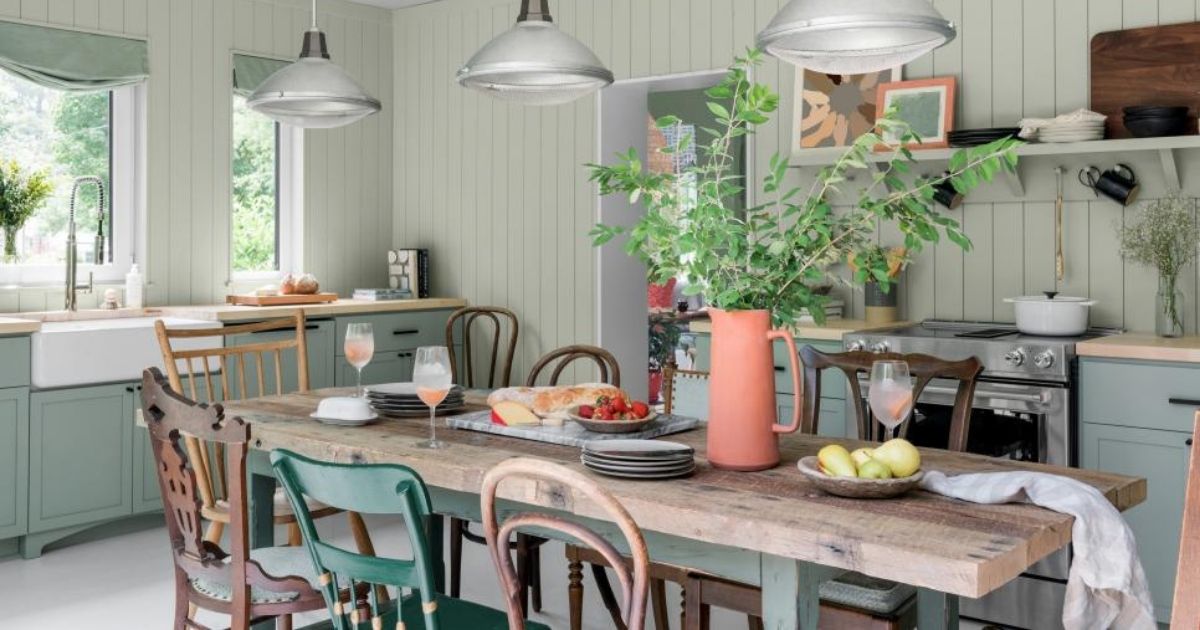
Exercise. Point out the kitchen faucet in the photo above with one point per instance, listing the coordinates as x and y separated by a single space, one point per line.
72 248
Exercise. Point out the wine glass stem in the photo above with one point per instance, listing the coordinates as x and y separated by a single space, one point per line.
358 383
432 426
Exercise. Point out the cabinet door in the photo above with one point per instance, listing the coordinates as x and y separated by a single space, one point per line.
80 456
319 335
1161 457
147 497
14 461
833 415
386 367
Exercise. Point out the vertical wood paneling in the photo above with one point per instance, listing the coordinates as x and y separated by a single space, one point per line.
978 263
1105 264
1008 234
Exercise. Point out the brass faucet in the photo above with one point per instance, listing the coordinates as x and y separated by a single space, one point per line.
72 248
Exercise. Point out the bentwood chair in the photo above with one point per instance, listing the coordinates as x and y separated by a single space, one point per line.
388 489
1185 609
217 374
542 477
499 374
243 583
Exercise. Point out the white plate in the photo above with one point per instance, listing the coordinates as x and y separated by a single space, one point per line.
617 460
341 422
644 449
648 476
400 389
638 469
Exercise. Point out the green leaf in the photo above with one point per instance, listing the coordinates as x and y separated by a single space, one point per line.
719 110
667 121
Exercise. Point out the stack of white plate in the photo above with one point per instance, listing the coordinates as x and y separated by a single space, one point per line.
1074 131
400 399
639 459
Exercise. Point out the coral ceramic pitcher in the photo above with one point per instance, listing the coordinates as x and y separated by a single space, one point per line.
742 427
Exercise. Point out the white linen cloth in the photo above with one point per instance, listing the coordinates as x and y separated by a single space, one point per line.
1106 587
1030 126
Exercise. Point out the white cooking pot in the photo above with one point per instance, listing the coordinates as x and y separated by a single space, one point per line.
1051 315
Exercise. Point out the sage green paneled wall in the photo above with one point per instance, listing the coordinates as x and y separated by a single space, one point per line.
348 209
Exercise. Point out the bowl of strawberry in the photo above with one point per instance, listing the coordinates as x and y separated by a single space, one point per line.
613 415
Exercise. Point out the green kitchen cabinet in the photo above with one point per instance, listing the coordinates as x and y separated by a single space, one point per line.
387 367
1161 457
146 494
833 415
80 456
15 366
14 461
319 335
399 331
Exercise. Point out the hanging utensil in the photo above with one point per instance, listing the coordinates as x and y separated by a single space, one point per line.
1060 265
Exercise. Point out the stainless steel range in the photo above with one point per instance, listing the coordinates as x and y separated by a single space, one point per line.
1024 408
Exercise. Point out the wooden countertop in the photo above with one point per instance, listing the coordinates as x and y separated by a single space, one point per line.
1142 346
833 330
16 326
230 313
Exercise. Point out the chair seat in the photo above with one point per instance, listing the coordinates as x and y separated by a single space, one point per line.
276 561
855 590
452 613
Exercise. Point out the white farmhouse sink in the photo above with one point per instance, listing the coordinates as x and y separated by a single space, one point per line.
90 351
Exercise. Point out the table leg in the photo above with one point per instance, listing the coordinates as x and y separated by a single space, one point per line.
790 593
936 611
437 545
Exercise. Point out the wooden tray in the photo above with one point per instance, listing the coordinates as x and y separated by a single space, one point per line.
281 300
1156 65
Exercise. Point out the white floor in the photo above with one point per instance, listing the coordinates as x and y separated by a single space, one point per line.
124 582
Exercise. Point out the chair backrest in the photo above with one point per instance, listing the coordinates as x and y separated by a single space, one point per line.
218 373
367 489
685 392
610 372
1185 611
923 368
169 417
467 316
560 481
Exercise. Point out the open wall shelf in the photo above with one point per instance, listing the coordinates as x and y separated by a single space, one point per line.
1165 147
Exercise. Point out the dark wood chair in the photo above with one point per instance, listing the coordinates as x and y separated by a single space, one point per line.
632 574
606 363
1185 609
242 583
837 608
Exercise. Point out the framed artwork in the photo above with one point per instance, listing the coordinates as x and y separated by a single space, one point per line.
927 105
833 109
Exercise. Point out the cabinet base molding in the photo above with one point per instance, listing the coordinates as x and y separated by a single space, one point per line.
33 545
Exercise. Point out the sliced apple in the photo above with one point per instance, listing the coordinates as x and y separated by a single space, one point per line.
514 414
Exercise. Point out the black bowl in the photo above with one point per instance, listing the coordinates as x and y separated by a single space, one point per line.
1150 127
1156 111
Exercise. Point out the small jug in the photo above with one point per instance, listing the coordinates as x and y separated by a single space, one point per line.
1118 183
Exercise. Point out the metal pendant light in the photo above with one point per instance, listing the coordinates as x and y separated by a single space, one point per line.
535 63
855 36
313 92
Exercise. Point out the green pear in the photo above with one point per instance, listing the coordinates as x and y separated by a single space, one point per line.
836 461
900 456
874 469
861 455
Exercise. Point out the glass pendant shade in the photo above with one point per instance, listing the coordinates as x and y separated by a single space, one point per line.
855 36
313 92
535 63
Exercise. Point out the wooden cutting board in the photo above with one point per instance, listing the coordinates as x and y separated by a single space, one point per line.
1156 65
281 300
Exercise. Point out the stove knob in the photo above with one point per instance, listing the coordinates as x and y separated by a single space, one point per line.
1044 360
1015 358
879 347
855 345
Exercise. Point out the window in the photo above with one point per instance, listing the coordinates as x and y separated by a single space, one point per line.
264 193
68 135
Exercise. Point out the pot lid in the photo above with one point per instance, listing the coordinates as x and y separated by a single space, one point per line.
1052 296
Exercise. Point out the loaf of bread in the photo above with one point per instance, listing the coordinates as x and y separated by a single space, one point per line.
548 401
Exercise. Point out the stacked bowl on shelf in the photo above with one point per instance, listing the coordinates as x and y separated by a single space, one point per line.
977 137
1150 121
1072 131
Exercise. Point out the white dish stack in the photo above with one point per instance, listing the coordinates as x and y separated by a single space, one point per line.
639 459
1072 131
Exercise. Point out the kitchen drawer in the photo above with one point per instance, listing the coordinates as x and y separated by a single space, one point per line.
386 367
14 362
1139 394
399 331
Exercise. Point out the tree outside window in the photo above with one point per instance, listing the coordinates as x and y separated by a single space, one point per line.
255 190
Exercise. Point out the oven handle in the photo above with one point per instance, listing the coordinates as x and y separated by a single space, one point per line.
1187 402
987 393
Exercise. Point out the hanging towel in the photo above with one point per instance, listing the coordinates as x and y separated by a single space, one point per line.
1106 587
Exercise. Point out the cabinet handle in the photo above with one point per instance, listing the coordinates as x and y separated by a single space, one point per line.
267 332
1189 402
780 368
129 389
404 355
411 331
1188 442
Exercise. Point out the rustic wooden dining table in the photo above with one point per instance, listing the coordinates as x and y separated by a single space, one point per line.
772 528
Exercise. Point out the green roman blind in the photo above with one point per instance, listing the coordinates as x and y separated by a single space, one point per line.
250 71
72 60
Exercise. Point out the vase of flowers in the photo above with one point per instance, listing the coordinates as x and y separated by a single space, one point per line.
756 267
21 196
1163 235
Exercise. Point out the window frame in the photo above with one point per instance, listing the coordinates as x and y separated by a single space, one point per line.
126 199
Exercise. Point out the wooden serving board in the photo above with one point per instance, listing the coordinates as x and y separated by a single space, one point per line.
570 433
1156 65
281 300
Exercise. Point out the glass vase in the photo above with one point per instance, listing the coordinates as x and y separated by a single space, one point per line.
1168 308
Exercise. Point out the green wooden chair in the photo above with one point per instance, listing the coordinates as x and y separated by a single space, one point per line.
376 489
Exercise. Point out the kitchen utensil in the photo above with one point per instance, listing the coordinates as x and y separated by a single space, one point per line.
891 393
432 377
1156 111
945 194
1142 67
1118 183
1051 315
359 348
610 426
1158 126
855 488
1059 260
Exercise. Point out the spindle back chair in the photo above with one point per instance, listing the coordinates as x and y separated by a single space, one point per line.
465 319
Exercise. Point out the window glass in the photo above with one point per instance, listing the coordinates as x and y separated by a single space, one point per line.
255 224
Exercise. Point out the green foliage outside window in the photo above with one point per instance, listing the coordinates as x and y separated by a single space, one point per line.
254 200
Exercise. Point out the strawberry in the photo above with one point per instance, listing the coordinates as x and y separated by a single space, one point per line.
604 413
618 405
640 409
586 411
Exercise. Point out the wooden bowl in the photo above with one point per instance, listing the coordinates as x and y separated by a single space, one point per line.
854 488
611 426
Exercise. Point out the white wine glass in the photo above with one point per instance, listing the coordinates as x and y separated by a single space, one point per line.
431 376
891 393
360 349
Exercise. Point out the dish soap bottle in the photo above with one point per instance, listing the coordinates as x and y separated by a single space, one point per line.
133 287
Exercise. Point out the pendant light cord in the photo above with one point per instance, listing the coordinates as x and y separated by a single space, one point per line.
534 11
314 15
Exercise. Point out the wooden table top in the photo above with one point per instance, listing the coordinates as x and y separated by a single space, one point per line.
921 539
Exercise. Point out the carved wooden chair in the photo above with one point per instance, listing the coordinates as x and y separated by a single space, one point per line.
632 575
243 583
388 489
215 374
685 392
1185 610
499 374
